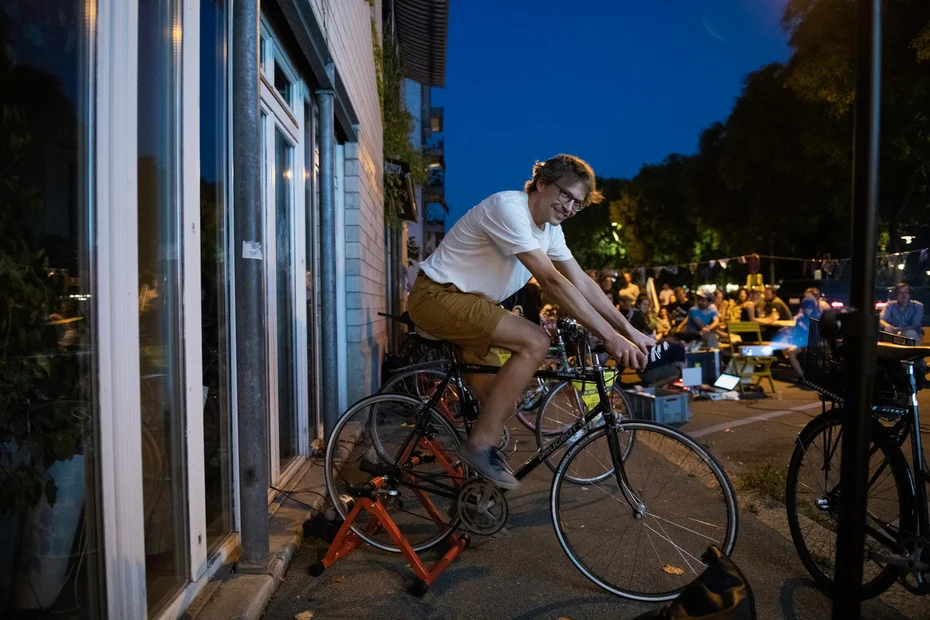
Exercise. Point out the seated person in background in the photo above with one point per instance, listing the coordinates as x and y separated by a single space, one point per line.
641 316
904 316
678 309
607 285
721 304
744 309
758 303
793 339
701 322
774 305
663 327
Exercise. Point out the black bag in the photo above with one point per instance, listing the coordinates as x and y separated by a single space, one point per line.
721 592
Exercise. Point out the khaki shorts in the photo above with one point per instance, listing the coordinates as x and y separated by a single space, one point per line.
465 319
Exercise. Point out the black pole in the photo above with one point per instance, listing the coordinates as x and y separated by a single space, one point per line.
251 376
860 326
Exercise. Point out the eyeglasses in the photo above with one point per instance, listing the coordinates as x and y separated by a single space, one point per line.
565 198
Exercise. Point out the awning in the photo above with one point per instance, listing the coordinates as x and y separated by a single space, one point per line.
422 26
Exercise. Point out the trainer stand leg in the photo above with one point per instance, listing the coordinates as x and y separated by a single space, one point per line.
346 540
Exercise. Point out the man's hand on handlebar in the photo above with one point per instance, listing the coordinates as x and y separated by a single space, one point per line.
625 352
643 341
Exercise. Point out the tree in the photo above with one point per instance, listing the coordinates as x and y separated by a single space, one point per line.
822 70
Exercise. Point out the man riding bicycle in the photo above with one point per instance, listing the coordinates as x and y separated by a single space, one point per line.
489 254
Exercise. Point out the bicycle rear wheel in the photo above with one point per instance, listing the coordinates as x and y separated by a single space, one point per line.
812 498
562 408
687 502
380 437
422 383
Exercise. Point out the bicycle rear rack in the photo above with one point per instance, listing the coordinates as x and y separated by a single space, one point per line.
368 500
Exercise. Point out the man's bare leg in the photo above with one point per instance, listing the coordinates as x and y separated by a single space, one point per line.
529 344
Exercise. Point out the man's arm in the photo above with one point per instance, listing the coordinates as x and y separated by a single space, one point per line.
918 321
577 305
595 296
884 319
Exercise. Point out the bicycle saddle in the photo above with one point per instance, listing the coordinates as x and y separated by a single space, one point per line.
901 353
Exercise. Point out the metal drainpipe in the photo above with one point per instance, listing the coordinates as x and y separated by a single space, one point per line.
329 398
251 373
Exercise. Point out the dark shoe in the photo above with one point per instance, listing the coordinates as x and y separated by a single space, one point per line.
488 463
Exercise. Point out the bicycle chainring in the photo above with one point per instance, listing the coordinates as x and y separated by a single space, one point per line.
482 507
916 577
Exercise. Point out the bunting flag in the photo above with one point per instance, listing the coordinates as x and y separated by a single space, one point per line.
828 266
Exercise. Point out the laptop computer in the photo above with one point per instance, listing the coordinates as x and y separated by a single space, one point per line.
726 382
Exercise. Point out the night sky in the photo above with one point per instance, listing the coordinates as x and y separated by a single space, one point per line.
619 83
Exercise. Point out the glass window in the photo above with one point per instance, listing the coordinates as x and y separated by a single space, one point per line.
160 336
282 83
217 435
283 206
50 543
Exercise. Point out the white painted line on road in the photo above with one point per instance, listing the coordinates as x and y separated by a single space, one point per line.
716 428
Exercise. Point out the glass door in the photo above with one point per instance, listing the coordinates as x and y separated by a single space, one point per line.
284 297
285 261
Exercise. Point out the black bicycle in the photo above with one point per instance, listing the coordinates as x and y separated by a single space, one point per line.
897 545
634 503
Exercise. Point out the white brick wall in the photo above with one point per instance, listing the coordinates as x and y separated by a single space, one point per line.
347 27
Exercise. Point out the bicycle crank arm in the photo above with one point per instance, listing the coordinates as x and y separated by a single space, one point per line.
897 560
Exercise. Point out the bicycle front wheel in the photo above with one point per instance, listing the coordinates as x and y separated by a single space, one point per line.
687 504
812 497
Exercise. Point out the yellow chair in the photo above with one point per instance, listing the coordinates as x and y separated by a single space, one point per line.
761 364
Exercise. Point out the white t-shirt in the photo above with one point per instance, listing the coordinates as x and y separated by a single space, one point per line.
478 254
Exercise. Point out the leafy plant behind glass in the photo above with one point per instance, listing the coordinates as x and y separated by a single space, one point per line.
35 429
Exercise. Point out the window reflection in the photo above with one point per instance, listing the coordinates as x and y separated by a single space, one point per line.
49 528
287 410
162 361
217 435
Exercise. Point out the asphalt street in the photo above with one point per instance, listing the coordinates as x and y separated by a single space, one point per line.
522 572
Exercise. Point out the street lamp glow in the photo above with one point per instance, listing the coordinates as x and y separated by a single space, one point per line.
901 266
908 238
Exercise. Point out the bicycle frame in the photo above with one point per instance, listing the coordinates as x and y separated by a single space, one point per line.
919 477
595 374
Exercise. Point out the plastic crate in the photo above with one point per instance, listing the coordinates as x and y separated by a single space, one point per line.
659 405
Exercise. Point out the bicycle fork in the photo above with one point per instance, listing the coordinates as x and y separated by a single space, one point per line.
616 453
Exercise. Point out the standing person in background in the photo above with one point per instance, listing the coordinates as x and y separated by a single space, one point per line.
630 290
665 295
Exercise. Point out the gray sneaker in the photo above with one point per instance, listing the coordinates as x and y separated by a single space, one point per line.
488 463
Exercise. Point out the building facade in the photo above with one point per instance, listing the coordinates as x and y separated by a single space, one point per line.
170 302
